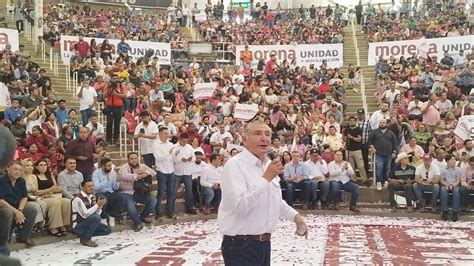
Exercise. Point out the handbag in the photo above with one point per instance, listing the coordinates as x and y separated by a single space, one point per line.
142 190
106 110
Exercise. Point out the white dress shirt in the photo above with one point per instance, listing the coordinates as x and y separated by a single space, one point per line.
211 175
88 94
250 204
163 158
320 168
196 169
180 167
337 174
146 145
219 137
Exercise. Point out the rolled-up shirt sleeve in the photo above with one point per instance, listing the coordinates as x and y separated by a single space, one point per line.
286 211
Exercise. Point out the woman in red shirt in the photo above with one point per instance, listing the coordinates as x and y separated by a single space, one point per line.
115 95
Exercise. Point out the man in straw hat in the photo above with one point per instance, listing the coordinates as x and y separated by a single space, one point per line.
402 178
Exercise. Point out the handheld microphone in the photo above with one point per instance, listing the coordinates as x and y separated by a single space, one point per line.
271 154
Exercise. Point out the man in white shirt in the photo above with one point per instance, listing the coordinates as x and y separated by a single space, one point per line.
252 204
170 126
211 183
146 132
96 129
162 151
427 177
414 109
318 170
340 173
379 115
196 172
183 160
217 139
87 99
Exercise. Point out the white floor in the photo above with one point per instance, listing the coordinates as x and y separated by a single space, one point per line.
333 239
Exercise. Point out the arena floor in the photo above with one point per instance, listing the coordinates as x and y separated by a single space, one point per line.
333 240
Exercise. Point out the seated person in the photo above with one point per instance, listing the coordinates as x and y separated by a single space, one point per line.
450 182
86 220
70 179
340 173
211 183
130 173
401 178
97 131
106 186
318 169
467 184
296 175
427 177
14 207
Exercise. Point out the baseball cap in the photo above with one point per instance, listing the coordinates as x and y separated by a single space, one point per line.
314 151
360 111
61 100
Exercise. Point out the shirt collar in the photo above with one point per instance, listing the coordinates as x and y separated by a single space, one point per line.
89 197
252 159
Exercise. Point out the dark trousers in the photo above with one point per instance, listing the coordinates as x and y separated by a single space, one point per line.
149 159
351 187
113 205
407 188
304 185
131 207
113 124
165 181
246 252
365 156
7 219
91 226
19 25
358 18
188 187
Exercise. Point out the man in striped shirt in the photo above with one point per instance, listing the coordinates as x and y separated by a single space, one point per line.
402 178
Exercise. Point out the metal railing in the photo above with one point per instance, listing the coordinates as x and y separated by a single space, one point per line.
222 51
42 47
123 139
362 84
68 78
100 116
74 83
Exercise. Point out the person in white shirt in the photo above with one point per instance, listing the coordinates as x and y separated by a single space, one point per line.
427 177
340 173
440 159
318 170
211 183
296 175
277 147
414 109
217 139
196 173
172 131
87 99
252 204
96 129
379 115
162 151
183 160
146 132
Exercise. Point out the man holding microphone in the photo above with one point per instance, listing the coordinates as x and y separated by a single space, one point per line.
251 201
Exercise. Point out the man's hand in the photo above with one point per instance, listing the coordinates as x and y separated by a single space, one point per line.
101 202
273 169
82 158
176 153
184 160
19 217
301 227
215 186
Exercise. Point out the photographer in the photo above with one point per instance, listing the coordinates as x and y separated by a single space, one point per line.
114 94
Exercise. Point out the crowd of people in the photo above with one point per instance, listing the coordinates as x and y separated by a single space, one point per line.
62 152
400 22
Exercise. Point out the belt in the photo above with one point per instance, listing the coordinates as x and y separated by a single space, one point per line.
261 238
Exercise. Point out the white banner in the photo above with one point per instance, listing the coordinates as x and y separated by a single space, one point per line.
305 54
245 112
200 17
204 90
464 129
139 48
9 36
431 47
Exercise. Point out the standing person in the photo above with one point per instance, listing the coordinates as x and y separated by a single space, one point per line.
211 179
358 11
86 212
87 99
82 47
82 149
383 144
183 158
18 15
364 124
353 136
427 176
340 173
162 151
450 182
14 206
115 94
467 184
146 132
402 178
251 201
318 170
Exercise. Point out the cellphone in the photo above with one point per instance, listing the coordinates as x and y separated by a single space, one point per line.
142 130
